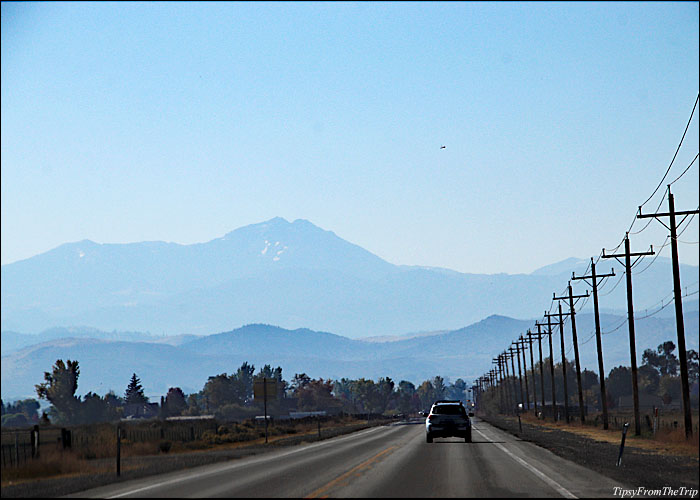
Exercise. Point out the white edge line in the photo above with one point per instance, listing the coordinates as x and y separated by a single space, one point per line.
239 464
551 482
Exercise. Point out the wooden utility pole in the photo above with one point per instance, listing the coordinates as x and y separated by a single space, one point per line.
572 313
551 365
595 277
539 341
630 322
520 375
505 382
563 362
501 389
511 390
682 355
522 343
532 365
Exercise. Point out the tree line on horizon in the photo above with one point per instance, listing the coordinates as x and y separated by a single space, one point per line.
658 375
227 397
230 397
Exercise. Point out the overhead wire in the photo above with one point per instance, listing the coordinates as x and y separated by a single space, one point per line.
676 153
614 287
639 260
692 113
686 169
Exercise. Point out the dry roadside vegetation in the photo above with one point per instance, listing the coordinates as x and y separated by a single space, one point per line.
97 455
667 440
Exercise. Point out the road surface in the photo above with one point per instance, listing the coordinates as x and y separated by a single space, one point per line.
382 462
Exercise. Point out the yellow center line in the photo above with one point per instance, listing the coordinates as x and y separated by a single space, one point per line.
349 473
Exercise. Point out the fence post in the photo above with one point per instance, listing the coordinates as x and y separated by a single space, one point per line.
16 450
35 441
622 444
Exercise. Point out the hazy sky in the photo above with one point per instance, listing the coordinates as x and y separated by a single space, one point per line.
126 122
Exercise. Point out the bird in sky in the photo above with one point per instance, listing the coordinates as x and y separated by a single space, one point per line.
442 147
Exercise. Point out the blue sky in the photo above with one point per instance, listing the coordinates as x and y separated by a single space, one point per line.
126 122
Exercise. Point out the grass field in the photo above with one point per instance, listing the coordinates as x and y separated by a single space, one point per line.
94 447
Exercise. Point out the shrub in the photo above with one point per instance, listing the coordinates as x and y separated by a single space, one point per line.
165 446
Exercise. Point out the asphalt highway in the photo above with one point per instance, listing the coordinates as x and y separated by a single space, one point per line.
382 462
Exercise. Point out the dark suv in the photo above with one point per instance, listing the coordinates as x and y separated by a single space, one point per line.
448 418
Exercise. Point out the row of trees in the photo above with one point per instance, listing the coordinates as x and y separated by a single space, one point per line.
230 397
20 413
657 376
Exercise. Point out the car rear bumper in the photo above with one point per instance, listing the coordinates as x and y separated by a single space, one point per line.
448 431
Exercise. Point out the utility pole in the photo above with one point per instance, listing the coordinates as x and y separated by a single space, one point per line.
551 365
563 363
508 383
539 341
682 356
532 364
572 313
520 375
522 342
501 389
630 322
505 382
514 384
595 277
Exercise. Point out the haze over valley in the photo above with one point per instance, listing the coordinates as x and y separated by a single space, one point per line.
268 292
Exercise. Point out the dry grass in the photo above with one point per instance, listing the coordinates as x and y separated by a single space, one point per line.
93 455
669 441
52 463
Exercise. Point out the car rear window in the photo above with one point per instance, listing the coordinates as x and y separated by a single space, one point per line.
449 410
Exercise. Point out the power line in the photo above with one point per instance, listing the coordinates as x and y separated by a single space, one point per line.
686 169
665 244
647 224
616 328
613 288
676 153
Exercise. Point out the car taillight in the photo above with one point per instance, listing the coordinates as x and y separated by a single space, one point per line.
431 418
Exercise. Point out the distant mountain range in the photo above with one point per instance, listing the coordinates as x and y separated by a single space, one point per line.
107 363
291 274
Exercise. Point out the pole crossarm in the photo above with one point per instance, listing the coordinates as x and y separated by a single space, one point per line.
632 254
626 256
568 297
542 325
557 315
598 276
640 215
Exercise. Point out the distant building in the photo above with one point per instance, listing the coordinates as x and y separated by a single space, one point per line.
647 402
191 418
141 410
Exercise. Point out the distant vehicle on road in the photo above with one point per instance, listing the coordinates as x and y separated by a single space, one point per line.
448 418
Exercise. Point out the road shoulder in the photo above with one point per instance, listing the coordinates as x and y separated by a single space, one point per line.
640 468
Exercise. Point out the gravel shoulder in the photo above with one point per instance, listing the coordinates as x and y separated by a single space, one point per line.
639 467
138 467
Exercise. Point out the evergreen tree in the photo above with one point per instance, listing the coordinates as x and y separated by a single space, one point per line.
134 392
